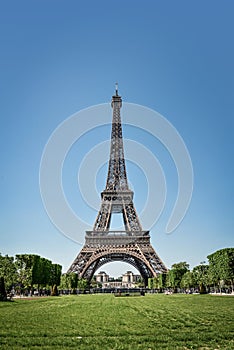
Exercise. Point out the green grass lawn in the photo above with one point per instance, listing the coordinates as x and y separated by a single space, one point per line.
106 322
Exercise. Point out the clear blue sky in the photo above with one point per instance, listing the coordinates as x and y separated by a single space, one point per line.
176 57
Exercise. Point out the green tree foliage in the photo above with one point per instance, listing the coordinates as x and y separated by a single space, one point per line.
140 283
201 277
187 280
24 263
55 274
35 270
153 283
82 284
182 266
45 271
150 283
162 279
175 275
73 280
64 282
95 284
31 269
158 282
221 266
8 271
69 281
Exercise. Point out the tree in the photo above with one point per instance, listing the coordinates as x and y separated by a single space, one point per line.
55 274
41 271
73 280
94 283
182 266
140 283
24 263
8 271
187 280
36 270
65 282
150 283
69 281
162 278
32 269
221 265
153 283
175 275
82 284
201 277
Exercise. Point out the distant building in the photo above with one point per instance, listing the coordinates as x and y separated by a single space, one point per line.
128 280
102 277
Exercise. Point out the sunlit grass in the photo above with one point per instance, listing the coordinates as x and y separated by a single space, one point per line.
106 322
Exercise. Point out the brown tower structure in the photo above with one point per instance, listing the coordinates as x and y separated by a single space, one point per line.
103 245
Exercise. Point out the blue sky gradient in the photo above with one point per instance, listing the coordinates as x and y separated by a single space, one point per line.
175 57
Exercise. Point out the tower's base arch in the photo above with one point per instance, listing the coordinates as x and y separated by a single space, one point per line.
136 251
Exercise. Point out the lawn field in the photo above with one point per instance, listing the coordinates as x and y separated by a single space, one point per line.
104 322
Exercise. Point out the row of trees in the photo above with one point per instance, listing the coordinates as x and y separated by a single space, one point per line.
71 282
28 271
219 273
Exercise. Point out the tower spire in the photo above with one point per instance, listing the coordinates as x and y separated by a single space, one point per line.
117 176
117 197
116 89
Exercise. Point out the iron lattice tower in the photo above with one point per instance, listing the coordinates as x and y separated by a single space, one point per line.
103 245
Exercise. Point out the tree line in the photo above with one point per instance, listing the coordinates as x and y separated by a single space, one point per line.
27 272
217 275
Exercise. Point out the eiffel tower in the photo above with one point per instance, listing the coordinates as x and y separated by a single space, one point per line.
103 245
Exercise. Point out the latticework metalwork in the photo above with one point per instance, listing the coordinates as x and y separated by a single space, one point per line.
103 245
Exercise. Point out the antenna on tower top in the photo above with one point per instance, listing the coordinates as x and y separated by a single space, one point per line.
116 89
